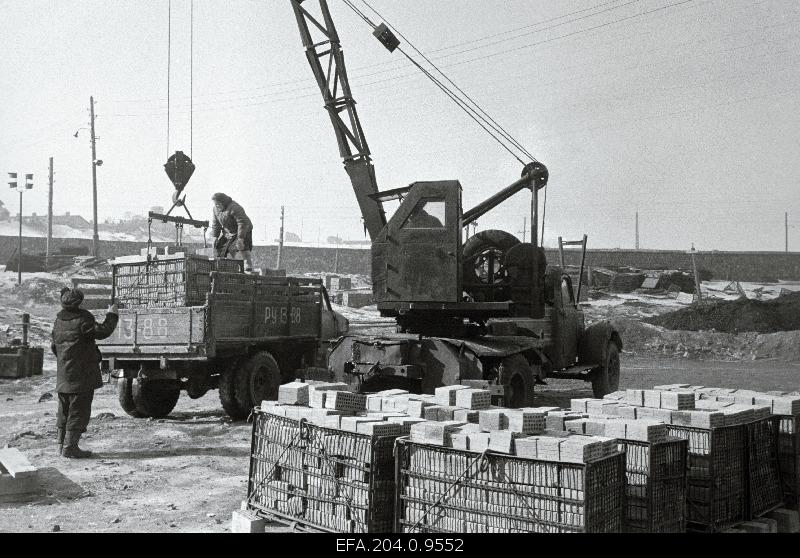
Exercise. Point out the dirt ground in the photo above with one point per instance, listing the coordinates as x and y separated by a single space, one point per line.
188 472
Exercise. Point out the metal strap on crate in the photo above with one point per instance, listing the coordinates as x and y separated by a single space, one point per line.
303 425
482 460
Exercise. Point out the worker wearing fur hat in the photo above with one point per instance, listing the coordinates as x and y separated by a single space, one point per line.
231 230
78 367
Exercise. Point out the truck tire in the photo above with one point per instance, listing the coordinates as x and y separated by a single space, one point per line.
227 391
606 378
257 380
517 379
155 398
475 251
125 396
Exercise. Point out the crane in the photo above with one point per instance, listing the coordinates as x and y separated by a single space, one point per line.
488 309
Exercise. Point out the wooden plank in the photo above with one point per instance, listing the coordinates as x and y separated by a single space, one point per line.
16 463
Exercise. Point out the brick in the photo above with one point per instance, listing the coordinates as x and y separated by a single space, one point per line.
351 424
478 441
645 431
502 441
345 401
493 419
652 398
446 395
431 412
786 405
382 428
617 429
595 427
243 521
706 419
547 448
627 411
527 422
416 407
473 398
374 402
580 449
682 418
677 400
446 413
634 397
595 406
580 404
459 441
526 447
576 426
664 415
293 393
466 415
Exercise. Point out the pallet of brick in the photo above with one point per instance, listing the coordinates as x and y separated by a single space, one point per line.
789 458
323 478
293 393
656 488
442 490
716 481
765 491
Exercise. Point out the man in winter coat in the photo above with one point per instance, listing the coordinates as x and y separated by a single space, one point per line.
231 230
78 372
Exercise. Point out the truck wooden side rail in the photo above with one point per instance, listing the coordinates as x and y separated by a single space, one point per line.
252 334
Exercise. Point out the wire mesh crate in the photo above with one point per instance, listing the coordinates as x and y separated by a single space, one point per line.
447 490
716 483
169 282
656 490
789 458
321 478
765 492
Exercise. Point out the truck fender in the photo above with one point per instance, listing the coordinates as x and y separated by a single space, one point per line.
594 341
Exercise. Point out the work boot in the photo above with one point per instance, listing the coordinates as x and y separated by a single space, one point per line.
72 449
61 433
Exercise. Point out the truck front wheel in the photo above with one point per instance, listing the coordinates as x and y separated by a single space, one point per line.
155 398
257 380
517 380
606 378
227 391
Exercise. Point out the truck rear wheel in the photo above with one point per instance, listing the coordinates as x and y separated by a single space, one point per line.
155 398
606 378
518 382
257 380
227 391
125 396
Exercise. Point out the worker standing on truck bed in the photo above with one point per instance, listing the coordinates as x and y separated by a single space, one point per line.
231 230
78 373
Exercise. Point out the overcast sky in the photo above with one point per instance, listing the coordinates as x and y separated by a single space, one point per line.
685 110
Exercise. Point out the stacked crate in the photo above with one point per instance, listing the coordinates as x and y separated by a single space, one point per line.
441 489
323 477
168 282
785 407
655 463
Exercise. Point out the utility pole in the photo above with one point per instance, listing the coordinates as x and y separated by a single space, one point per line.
786 229
95 236
49 219
280 242
637 230
12 183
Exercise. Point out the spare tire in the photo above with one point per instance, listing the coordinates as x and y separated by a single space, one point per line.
479 251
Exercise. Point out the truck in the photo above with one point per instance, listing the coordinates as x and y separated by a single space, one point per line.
193 323
488 309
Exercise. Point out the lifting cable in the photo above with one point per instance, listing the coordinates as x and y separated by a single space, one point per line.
169 59
474 111
191 74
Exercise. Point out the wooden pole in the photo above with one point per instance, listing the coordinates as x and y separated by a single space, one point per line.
95 236
696 278
280 241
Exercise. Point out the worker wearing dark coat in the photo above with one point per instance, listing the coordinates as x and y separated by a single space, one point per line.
78 371
231 230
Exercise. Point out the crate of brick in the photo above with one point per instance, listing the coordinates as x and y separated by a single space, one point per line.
656 488
473 399
716 482
448 490
322 478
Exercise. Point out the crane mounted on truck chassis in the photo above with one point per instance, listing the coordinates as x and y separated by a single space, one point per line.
520 321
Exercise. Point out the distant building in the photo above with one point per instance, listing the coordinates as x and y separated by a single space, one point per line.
291 237
4 214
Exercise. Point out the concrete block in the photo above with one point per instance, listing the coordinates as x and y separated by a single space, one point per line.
345 401
466 415
527 422
243 521
635 397
416 407
502 441
787 520
526 447
677 400
478 441
493 419
652 398
580 404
